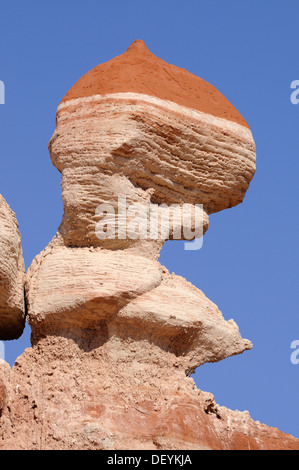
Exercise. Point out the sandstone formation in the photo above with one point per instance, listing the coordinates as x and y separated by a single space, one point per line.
166 137
115 336
12 273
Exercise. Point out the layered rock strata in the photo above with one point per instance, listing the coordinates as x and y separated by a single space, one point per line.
115 336
12 275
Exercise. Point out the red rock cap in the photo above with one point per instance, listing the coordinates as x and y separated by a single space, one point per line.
140 71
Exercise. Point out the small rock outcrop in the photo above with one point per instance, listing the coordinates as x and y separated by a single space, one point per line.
115 336
12 275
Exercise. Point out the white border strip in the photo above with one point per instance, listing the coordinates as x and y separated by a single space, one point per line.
222 123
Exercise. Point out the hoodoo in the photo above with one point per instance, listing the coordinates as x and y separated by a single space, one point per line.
115 336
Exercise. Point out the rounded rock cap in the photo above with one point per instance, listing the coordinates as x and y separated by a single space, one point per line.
140 71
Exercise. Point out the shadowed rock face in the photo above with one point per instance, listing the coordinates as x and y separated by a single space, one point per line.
115 336
12 273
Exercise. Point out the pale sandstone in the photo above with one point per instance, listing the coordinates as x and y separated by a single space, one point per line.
83 287
71 288
179 155
12 272
186 323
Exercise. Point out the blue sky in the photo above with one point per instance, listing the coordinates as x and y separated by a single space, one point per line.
248 264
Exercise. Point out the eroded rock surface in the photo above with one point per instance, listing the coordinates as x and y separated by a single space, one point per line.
95 390
115 336
165 135
12 273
